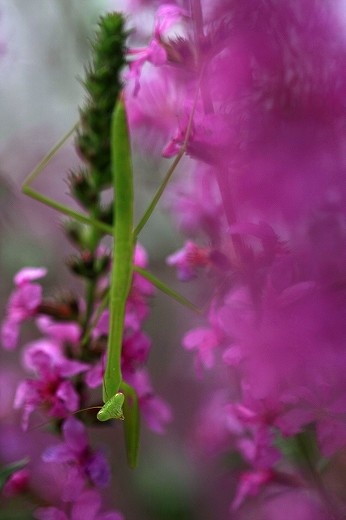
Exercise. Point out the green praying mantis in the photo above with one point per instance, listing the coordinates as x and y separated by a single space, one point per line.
120 399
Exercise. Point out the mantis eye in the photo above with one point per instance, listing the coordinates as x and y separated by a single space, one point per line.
113 408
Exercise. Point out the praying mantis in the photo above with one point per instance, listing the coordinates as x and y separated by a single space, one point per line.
120 400
105 119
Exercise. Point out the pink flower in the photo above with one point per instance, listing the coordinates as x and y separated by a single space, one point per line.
215 431
51 389
87 507
23 304
300 504
188 260
250 484
325 407
94 376
156 412
155 53
204 341
82 464
17 483
135 350
196 205
60 331
140 285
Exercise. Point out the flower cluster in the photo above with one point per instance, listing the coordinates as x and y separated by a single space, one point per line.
63 366
57 358
264 209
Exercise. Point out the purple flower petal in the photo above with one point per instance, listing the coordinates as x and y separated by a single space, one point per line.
49 513
41 355
250 485
9 334
61 331
27 274
60 453
156 412
93 378
87 506
98 470
65 400
70 368
75 435
75 483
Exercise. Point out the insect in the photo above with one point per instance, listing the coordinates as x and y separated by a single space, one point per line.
117 394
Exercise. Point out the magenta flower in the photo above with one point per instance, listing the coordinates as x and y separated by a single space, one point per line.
297 503
140 284
17 483
188 259
250 484
61 331
135 350
51 390
196 205
87 507
215 431
155 53
94 376
156 412
325 408
204 341
153 112
83 465
176 141
23 304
